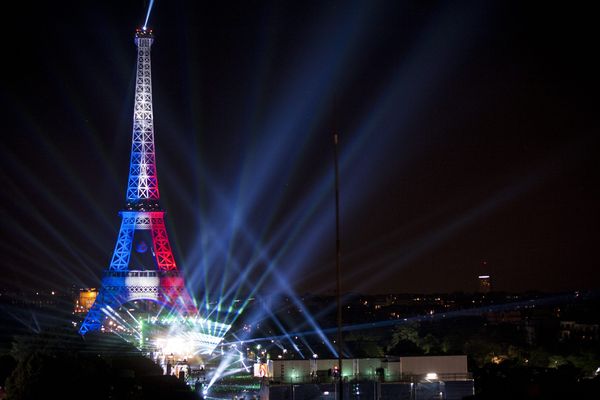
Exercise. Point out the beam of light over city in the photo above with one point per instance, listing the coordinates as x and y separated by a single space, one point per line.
145 26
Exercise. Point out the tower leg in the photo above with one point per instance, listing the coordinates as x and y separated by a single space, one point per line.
94 317
120 258
175 294
160 242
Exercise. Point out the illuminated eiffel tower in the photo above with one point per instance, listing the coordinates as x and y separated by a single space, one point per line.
149 273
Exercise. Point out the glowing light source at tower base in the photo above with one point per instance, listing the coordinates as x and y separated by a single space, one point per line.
187 345
184 337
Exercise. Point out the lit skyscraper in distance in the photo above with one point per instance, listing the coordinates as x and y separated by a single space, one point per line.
485 283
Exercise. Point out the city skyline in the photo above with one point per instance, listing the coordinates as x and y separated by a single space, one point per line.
467 138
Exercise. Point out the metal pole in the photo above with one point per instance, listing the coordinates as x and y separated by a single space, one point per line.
337 266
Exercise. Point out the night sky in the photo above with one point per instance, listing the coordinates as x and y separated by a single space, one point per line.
468 142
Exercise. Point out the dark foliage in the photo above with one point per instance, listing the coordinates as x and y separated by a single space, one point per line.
60 364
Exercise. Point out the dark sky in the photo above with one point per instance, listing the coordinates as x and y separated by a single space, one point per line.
469 141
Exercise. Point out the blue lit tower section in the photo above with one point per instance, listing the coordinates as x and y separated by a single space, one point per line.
151 273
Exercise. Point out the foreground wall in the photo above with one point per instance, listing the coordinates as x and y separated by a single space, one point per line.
412 369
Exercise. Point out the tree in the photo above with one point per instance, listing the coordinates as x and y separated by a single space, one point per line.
366 348
452 343
363 344
7 365
405 340
64 375
538 357
586 361
481 350
430 344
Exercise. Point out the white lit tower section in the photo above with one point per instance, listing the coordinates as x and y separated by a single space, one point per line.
142 185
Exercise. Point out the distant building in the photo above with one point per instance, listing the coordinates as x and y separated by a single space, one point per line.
485 283
85 300
397 369
579 332
426 377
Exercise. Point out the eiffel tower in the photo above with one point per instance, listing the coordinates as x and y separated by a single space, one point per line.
143 272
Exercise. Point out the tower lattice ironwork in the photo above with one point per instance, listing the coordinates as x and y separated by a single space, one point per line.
125 281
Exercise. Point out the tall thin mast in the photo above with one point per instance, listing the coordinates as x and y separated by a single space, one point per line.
338 254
